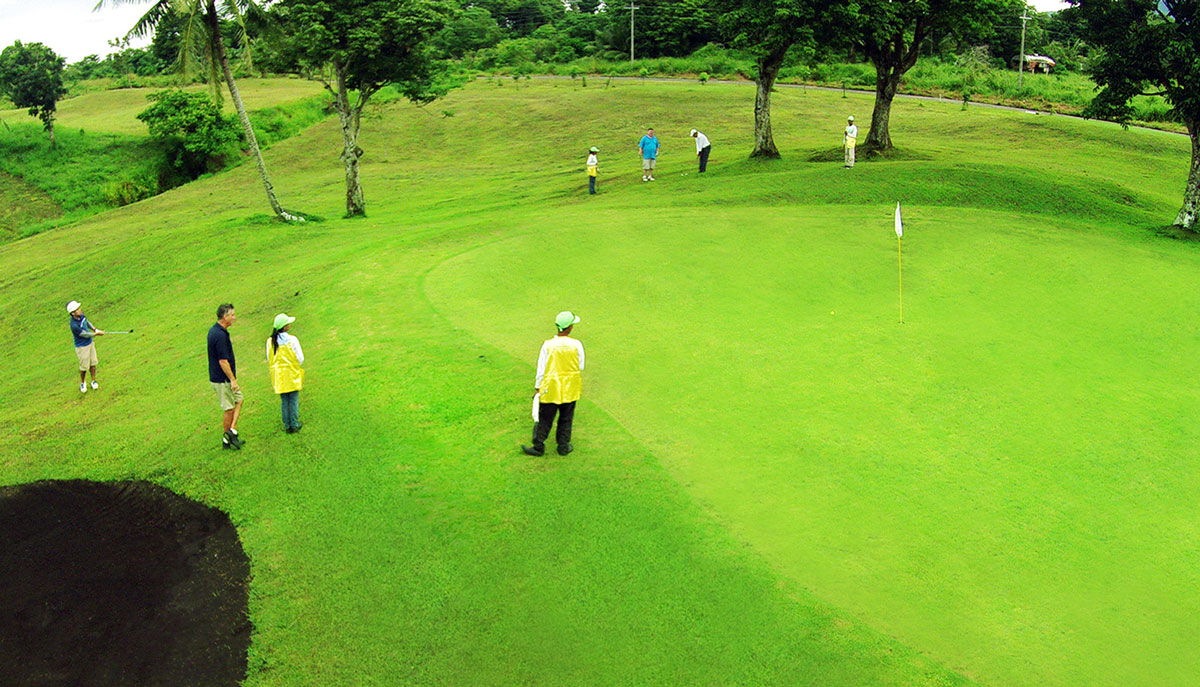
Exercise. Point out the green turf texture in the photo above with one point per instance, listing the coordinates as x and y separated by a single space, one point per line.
774 481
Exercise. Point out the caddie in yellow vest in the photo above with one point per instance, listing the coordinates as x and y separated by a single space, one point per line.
284 356
850 141
557 386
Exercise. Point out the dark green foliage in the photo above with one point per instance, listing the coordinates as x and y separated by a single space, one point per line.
197 135
1148 46
137 61
472 29
31 77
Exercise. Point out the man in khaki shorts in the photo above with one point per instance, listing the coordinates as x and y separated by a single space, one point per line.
85 345
648 147
222 372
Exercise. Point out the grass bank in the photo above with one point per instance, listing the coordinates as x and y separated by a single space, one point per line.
104 158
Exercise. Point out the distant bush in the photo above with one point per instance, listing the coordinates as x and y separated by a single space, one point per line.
196 135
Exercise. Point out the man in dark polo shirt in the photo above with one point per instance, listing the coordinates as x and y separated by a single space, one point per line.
222 372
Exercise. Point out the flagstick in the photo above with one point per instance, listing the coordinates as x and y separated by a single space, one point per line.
900 260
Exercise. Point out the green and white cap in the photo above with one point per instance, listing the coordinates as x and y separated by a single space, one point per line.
566 319
282 320
594 149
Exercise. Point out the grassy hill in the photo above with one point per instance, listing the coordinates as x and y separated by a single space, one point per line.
104 156
774 481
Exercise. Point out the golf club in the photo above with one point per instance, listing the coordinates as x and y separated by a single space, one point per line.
107 331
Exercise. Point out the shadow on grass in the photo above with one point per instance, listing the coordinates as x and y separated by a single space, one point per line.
865 154
1174 231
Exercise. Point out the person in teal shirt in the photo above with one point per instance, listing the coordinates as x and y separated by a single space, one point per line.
649 148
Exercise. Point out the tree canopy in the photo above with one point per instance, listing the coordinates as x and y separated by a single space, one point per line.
1149 47
31 77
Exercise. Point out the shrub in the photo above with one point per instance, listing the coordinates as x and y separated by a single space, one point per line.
196 134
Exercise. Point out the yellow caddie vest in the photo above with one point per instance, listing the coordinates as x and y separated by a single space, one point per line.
851 141
286 374
592 170
561 382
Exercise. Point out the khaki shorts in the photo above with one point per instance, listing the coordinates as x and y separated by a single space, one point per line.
226 395
648 162
87 356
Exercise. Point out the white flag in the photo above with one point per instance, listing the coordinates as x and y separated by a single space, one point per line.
899 224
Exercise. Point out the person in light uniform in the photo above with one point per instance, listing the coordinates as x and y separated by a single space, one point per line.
557 386
849 141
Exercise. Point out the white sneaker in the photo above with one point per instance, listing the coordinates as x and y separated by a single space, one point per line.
95 384
644 179
651 178
82 388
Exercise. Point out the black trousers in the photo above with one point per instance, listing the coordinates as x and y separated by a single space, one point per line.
704 157
546 413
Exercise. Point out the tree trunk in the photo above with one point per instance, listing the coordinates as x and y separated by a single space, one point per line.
50 128
214 26
768 70
350 118
887 81
1191 196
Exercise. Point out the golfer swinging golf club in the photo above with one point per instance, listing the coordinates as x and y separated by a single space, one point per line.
557 386
85 345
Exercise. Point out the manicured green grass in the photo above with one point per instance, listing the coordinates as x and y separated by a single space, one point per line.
775 482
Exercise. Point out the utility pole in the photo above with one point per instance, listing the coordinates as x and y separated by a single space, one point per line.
1021 75
632 8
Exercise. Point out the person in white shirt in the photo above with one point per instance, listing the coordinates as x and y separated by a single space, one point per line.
593 169
703 148
849 141
285 358
557 386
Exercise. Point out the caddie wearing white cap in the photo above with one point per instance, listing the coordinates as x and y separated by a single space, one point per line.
849 141
557 386
85 345
285 358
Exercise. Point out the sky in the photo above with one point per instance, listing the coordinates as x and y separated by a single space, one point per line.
73 30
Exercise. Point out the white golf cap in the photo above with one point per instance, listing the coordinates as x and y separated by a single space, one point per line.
850 118
693 132
73 306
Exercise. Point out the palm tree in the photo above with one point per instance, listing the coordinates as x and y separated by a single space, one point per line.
201 40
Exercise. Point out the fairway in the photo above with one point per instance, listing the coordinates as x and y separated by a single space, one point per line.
774 482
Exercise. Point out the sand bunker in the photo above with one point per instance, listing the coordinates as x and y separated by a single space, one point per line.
123 583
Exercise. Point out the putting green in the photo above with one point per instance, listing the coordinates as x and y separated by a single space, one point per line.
993 482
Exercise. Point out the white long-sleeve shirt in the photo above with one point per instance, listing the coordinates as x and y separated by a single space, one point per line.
701 142
290 341
544 355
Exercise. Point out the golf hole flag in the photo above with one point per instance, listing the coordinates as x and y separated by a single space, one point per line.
900 257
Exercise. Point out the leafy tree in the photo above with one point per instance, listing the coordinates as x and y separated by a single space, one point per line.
666 27
891 34
1149 47
472 29
31 77
201 40
195 132
355 48
768 29
521 17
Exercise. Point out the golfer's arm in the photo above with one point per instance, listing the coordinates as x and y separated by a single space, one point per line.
227 370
